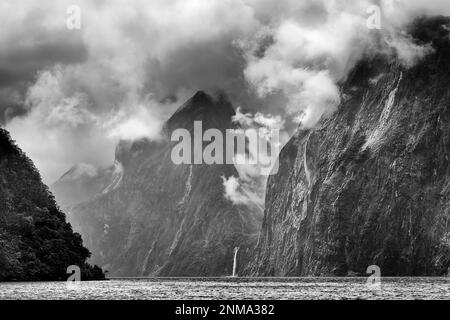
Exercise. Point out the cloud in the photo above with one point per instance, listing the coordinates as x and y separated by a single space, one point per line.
248 188
71 130
306 58
243 194
59 130
132 62
308 47
408 52
144 120
119 77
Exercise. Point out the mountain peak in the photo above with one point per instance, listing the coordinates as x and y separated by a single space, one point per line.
80 170
213 111
201 96
202 101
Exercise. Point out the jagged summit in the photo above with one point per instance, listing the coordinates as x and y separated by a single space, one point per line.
201 96
213 111
160 218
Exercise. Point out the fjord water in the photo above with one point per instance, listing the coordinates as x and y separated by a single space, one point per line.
232 288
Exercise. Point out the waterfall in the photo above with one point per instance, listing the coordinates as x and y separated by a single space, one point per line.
236 249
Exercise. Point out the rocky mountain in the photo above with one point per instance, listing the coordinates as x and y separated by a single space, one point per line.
165 219
371 184
36 242
84 181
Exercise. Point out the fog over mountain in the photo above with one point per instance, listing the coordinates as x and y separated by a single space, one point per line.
130 65
147 216
358 92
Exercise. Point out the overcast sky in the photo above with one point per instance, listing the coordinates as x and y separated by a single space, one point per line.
67 96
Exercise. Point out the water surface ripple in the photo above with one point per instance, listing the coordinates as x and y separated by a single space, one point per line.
231 288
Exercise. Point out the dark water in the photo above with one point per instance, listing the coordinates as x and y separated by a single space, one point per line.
232 288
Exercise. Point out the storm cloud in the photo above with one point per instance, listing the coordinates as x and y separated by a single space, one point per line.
68 96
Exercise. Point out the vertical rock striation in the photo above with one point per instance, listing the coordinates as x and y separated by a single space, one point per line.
371 184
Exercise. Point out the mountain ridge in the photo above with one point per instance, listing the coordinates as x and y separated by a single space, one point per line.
166 219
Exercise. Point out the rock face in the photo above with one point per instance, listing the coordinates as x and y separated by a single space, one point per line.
36 242
165 219
371 184
83 182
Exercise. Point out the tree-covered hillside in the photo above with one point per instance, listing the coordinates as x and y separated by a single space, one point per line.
36 242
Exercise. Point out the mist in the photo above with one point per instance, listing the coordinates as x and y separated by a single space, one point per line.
68 96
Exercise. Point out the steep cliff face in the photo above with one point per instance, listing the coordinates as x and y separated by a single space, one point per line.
36 242
166 219
371 184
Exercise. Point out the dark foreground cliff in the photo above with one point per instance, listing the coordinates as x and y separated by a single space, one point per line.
36 242
371 184
162 219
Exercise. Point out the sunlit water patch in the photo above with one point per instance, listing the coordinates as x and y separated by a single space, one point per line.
232 288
